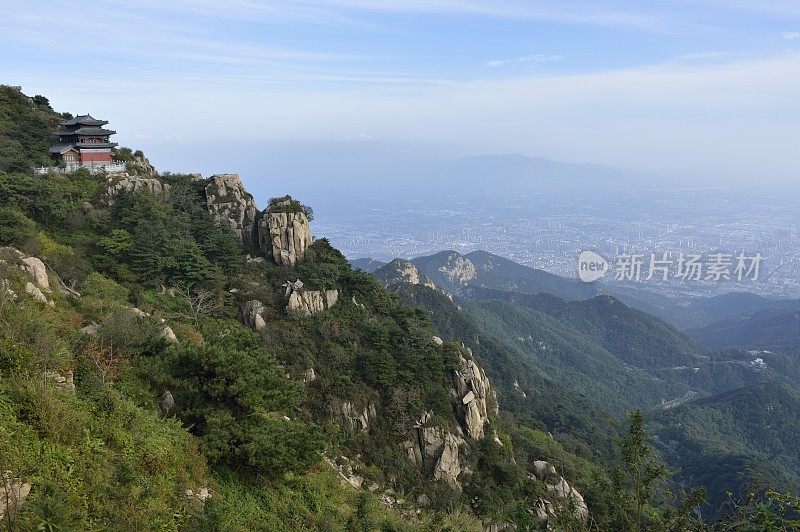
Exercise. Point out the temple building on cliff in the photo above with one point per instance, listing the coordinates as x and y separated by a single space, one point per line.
82 141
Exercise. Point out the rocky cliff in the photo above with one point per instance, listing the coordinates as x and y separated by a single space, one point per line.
438 449
133 183
402 271
472 395
308 302
229 203
560 495
285 232
281 233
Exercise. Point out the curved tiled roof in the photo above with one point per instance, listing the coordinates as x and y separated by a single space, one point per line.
87 131
84 120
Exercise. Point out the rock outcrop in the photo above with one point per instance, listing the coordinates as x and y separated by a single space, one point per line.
253 314
473 395
436 450
344 469
65 381
230 204
560 493
133 183
285 232
39 285
37 270
37 295
402 271
34 267
12 494
140 165
350 417
458 269
308 302
200 495
169 335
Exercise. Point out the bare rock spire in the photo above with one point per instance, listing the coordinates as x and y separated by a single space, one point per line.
285 232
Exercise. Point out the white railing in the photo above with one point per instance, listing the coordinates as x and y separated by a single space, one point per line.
113 167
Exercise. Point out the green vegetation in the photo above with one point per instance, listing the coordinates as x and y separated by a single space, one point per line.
774 329
534 349
740 441
26 130
578 422
130 390
287 204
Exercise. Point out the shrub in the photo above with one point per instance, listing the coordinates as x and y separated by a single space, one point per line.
235 397
16 229
99 286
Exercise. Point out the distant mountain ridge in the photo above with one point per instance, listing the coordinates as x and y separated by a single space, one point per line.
637 338
776 329
366 264
456 272
609 356
744 437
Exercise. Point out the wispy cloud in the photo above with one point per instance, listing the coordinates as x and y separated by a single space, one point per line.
791 35
569 11
525 60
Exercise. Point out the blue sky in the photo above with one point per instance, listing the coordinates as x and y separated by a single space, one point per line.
706 88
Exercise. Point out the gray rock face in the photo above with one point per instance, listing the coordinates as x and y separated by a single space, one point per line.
140 165
346 473
473 396
37 270
231 205
308 302
402 271
33 267
436 450
200 495
253 314
447 467
37 287
560 493
169 335
284 236
12 494
133 183
458 269
350 417
33 291
65 381
91 329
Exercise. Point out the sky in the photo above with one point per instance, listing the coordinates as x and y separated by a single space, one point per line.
704 89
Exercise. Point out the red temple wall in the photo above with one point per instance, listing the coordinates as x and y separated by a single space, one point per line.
94 157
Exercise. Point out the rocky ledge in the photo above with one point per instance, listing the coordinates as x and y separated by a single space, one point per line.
308 302
229 203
